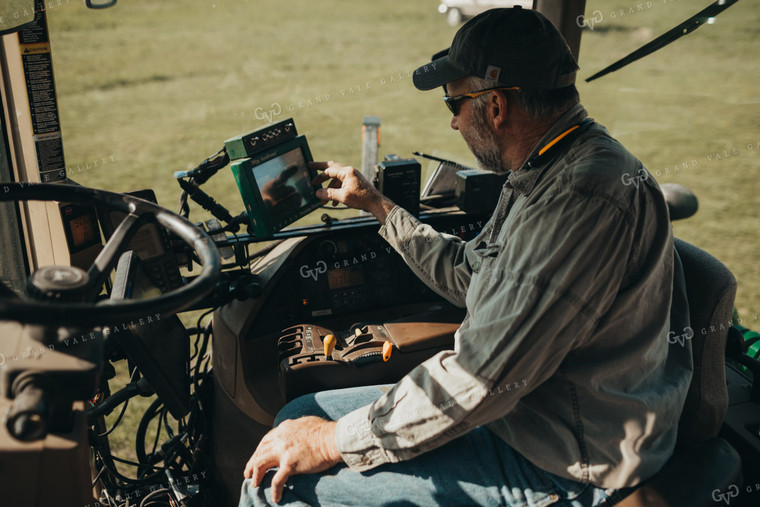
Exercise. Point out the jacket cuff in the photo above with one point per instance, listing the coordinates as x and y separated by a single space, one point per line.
356 443
399 227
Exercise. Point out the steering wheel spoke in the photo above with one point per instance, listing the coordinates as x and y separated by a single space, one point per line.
115 245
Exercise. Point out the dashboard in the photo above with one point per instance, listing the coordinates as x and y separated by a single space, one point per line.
348 274
337 279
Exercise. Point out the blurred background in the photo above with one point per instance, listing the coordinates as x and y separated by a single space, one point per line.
147 88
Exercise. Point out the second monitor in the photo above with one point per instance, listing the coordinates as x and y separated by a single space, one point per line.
276 186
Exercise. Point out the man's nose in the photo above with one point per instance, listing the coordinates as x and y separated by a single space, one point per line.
454 122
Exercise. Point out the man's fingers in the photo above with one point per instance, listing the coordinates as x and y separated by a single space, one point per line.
259 470
330 170
279 480
325 166
319 166
330 194
248 471
261 464
320 178
335 171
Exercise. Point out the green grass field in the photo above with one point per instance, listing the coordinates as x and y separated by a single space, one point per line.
154 87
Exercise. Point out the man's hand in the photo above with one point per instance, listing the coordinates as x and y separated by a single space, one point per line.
349 187
298 446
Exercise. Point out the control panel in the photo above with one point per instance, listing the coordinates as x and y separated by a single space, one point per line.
313 358
346 274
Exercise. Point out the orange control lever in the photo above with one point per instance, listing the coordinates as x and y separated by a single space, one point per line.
329 343
387 349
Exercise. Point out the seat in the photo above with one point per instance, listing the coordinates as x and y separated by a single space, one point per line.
703 466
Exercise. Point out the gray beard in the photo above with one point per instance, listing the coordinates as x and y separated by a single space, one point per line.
485 148
490 160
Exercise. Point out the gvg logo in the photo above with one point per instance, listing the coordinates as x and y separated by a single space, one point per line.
598 16
590 22
639 177
275 109
673 338
319 269
731 493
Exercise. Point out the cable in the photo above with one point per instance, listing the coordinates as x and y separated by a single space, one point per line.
142 429
134 464
201 354
118 420
107 462
117 481
200 175
267 249
95 480
167 426
192 190
199 330
158 432
183 451
148 498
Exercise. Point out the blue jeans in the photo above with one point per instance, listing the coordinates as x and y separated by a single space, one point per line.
477 468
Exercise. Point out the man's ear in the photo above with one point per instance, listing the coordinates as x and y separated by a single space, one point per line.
498 109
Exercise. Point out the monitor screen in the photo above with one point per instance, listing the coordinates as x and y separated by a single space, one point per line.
81 227
276 186
285 184
147 241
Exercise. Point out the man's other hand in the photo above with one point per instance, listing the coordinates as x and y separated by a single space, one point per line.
297 446
349 187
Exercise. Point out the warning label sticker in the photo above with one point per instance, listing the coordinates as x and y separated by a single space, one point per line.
50 157
40 88
43 105
34 49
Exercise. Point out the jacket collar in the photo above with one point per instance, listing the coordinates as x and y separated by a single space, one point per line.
524 179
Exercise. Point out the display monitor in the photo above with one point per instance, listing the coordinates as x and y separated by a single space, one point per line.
151 243
276 186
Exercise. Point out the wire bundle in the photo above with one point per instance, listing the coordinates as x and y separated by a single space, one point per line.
171 469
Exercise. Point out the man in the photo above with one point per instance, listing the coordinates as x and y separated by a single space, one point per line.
562 388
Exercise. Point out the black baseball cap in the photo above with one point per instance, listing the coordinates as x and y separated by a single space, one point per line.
511 47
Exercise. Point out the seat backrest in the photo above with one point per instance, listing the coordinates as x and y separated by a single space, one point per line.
710 291
703 299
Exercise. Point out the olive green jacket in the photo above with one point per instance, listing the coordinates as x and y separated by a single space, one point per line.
564 352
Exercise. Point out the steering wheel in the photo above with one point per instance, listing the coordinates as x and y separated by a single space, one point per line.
66 295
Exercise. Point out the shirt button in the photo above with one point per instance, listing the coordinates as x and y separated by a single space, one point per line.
366 460
554 497
476 266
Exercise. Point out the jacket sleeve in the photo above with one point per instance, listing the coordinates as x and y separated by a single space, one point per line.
438 259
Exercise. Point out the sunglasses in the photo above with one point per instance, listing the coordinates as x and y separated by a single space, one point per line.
454 103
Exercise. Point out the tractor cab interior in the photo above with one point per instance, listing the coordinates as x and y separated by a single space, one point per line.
100 290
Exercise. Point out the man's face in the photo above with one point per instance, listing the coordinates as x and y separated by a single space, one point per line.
471 122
